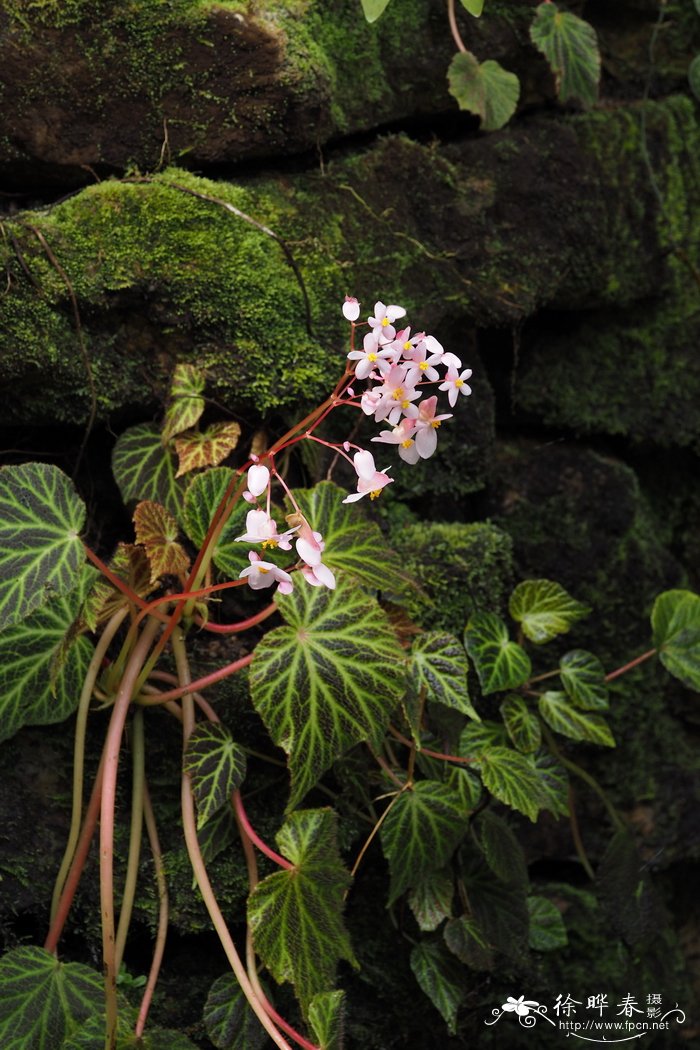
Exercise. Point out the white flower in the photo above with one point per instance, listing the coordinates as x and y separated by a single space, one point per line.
260 574
351 308
258 479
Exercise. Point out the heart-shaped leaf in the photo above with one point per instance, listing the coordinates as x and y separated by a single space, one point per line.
583 677
521 723
205 448
675 620
186 402
228 1018
483 88
431 899
502 851
144 469
216 765
464 939
571 48
500 663
441 978
554 783
202 499
439 664
547 929
157 532
544 609
512 779
327 1019
561 716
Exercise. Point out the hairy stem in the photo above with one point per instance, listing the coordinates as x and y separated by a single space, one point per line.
163 908
138 758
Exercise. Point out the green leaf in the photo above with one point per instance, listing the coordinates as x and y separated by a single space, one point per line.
218 833
41 516
439 664
475 739
559 714
353 544
675 620
465 940
441 979
202 498
500 663
91 1035
296 914
228 1018
216 765
328 680
467 785
205 448
145 470
553 783
486 89
583 677
547 929
570 46
186 401
43 1000
35 688
474 7
512 779
694 76
420 833
498 908
156 531
373 8
502 851
522 725
544 609
431 899
327 1019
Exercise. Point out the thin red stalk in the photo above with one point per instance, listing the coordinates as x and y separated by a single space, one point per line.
201 683
159 947
114 579
452 19
242 818
241 625
206 707
633 663
426 751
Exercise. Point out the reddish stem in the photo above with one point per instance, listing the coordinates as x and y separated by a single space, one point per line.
244 823
202 683
241 625
628 667
426 751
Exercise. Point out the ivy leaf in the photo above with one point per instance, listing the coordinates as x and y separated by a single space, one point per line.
694 76
483 88
216 765
41 516
144 469
570 46
553 782
522 725
373 8
206 448
547 929
228 1018
441 979
465 940
430 900
328 679
421 832
131 565
296 914
474 7
327 1019
186 401
583 678
502 851
43 1000
500 663
202 498
440 664
557 711
37 688
512 779
544 609
675 620
157 532
353 544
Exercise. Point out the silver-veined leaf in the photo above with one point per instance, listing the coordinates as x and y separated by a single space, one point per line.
476 738
512 779
570 46
202 499
228 1018
41 516
553 783
157 532
91 1035
296 914
501 849
441 978
675 620
217 834
327 1019
373 8
467 785
439 664
498 908
483 88
583 678
544 609
216 765
197 449
474 7
522 725
547 929
186 401
431 899
145 470
420 833
43 1000
465 940
328 679
560 715
500 663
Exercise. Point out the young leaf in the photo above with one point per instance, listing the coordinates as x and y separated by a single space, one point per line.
441 979
373 8
553 783
544 609
328 679
216 765
522 725
486 89
694 76
228 1018
327 1019
43 1000
583 678
143 469
500 663
502 851
431 899
157 531
296 914
547 929
474 7
32 690
465 940
570 46
420 833
206 448
512 779
131 565
186 401
202 498
557 711
675 620
439 663
41 516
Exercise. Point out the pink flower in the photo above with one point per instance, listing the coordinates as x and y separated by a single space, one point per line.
397 395
401 436
351 308
384 317
370 480
261 528
455 385
426 427
258 479
423 365
261 574
319 576
370 357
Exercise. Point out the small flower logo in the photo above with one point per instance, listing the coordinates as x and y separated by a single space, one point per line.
521 1006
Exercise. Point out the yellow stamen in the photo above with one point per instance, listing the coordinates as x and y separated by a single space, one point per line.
407 346
407 443
435 423
377 492
371 357
269 543
423 365
459 382
263 570
405 403
385 322
398 393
